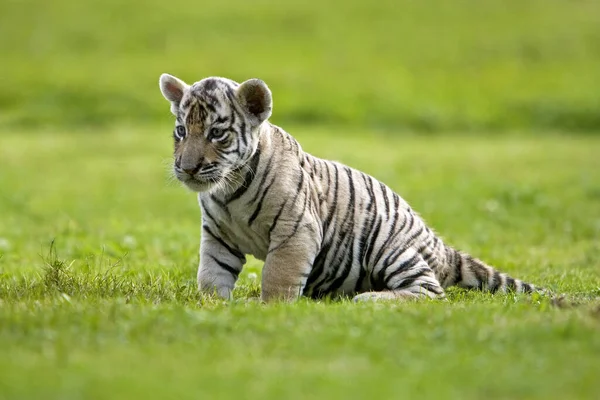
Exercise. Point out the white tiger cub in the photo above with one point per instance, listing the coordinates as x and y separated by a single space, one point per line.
320 227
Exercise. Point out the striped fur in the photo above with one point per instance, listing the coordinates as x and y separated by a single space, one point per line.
321 227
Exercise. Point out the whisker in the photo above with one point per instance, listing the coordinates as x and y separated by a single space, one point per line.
171 178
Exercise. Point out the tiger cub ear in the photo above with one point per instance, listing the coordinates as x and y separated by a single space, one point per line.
254 95
172 89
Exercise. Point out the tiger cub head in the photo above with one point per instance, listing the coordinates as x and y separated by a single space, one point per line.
217 125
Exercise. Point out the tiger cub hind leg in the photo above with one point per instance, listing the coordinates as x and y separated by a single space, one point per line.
413 283
394 295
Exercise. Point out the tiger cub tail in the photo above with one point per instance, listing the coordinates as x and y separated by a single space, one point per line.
471 273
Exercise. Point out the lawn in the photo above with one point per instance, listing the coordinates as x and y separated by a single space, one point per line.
110 310
483 115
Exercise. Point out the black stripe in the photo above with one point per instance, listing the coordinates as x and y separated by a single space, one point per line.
410 217
350 211
276 218
230 249
511 284
348 223
362 273
316 165
345 225
300 217
247 179
187 102
411 262
480 271
211 108
320 260
208 85
206 213
408 281
391 259
318 265
220 204
392 233
334 202
427 254
386 200
425 251
432 288
261 184
336 282
226 267
362 242
326 196
410 239
238 141
311 171
373 241
228 152
343 243
260 203
395 232
458 265
290 141
365 239
369 187
230 93
243 132
232 116
300 185
496 281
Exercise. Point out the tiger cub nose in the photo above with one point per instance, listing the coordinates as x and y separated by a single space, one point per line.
192 171
186 167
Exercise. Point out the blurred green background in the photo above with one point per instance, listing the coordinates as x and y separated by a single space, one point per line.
465 65
111 310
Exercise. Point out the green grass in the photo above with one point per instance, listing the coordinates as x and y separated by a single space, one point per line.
99 247
110 309
401 65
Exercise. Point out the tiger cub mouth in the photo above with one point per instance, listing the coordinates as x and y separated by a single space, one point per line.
199 184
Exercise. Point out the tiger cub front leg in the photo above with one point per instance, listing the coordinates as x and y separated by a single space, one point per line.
220 265
287 267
